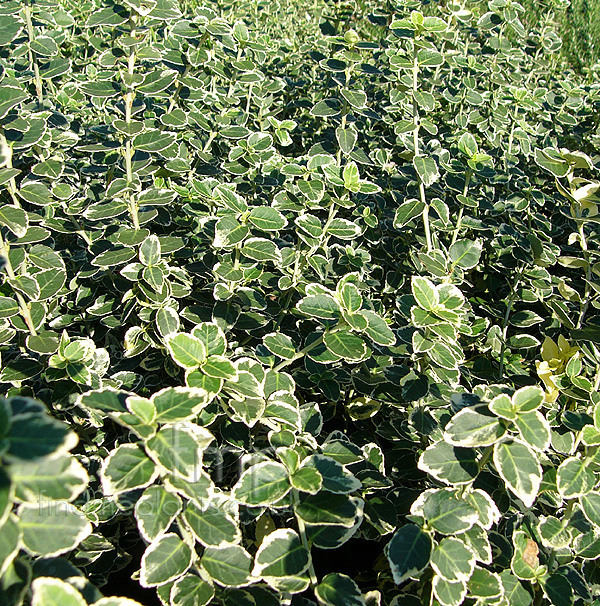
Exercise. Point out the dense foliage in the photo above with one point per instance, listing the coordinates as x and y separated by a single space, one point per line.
578 25
299 304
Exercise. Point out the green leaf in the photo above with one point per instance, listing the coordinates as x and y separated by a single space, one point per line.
343 229
474 426
165 559
356 98
10 542
514 591
350 175
314 189
434 24
113 257
54 592
150 251
453 560
557 589
212 337
186 350
377 328
178 448
345 344
267 218
219 367
425 293
7 495
319 306
229 566
112 601
307 479
174 404
56 479
113 15
281 554
44 46
552 534
449 593
102 89
212 526
127 467
346 138
502 406
519 467
443 356
8 307
534 429
262 484
52 527
10 27
574 478
191 590
335 478
427 170
350 297
155 511
104 400
157 81
339 590
590 505
465 253
552 161
14 218
33 436
260 249
409 552
50 282
407 211
279 344
486 585
468 145
154 141
528 398
10 96
447 514
329 508
449 464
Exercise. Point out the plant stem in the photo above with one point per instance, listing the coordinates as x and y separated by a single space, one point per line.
416 122
511 300
32 59
300 354
462 208
485 457
208 143
588 274
12 184
129 95
23 306
302 532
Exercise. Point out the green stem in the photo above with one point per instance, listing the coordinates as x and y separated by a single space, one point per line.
12 184
485 457
23 307
300 354
585 301
416 122
208 143
462 208
177 92
32 58
129 96
511 300
302 532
